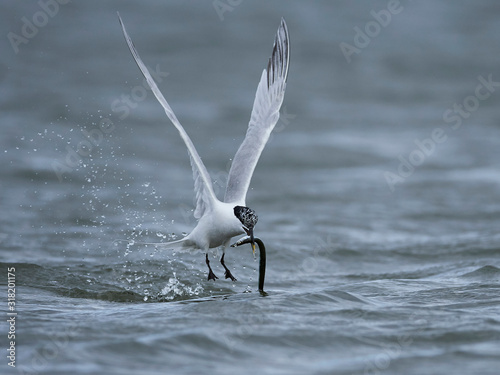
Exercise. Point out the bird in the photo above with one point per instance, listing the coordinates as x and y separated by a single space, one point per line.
221 220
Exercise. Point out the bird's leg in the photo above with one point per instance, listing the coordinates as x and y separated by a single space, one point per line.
228 273
211 274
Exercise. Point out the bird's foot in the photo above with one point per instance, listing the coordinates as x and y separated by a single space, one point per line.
211 275
229 275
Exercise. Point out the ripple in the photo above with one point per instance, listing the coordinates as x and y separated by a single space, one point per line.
109 295
487 271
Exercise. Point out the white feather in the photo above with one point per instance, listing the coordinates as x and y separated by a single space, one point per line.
265 115
204 192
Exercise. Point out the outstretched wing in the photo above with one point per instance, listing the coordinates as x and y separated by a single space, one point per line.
202 184
265 115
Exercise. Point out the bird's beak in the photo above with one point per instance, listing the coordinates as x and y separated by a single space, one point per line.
252 242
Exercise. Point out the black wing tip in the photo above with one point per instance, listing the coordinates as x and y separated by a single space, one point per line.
277 66
283 26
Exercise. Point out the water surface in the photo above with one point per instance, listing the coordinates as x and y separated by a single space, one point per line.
379 207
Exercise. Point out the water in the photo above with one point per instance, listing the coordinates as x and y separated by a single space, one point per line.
378 198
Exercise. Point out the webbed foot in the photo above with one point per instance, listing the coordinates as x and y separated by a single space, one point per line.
211 274
228 273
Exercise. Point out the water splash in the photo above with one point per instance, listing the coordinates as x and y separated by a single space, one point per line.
176 288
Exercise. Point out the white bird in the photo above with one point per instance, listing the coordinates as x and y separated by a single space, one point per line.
219 221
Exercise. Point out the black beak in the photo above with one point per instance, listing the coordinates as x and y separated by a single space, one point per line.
252 242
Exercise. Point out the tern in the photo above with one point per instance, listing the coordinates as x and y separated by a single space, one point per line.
219 221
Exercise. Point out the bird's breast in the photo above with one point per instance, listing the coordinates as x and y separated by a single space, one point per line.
217 227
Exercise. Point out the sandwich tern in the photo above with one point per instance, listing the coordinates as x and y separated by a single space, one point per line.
219 221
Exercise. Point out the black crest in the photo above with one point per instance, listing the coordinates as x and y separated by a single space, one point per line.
246 215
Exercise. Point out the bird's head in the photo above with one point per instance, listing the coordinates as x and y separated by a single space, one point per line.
248 219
